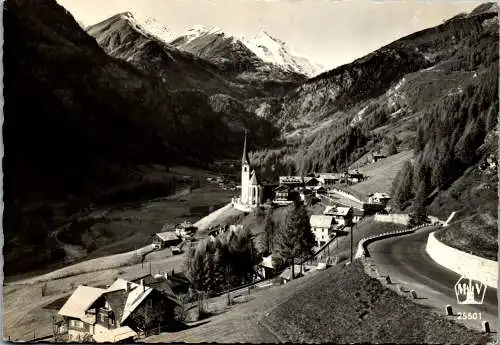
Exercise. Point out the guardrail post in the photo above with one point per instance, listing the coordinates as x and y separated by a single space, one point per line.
449 310
486 327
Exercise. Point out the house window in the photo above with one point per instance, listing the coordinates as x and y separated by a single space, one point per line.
150 303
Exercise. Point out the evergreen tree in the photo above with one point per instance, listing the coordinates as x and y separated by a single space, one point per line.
419 212
269 231
393 147
402 188
294 238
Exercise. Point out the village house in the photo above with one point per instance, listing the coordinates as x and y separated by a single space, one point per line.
342 215
329 180
165 239
294 182
355 177
116 314
281 193
320 190
357 214
311 182
322 227
379 198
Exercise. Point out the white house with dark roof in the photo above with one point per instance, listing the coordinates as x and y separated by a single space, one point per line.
322 227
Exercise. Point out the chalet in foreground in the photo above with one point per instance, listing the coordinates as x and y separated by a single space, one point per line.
116 314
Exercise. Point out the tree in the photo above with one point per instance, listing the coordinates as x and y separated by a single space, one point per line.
419 212
402 190
294 238
269 231
393 147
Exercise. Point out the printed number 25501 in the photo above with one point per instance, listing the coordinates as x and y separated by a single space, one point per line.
469 316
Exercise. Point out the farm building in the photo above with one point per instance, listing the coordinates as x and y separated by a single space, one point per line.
330 179
166 239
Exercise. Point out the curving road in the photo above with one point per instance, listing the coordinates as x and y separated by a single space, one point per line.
404 258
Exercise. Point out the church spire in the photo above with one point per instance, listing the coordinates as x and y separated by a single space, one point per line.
244 159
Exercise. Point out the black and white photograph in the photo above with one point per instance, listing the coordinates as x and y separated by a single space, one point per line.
250 171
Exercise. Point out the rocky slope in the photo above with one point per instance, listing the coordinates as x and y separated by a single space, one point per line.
79 123
237 56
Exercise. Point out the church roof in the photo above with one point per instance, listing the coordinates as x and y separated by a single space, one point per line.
244 158
253 179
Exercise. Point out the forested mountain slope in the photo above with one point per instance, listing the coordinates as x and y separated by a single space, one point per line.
78 122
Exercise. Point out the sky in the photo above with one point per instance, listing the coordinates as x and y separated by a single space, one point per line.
328 32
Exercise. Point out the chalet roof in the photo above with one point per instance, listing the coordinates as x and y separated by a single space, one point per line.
282 187
167 236
321 221
135 296
117 300
291 179
337 210
380 195
330 175
81 300
114 335
310 179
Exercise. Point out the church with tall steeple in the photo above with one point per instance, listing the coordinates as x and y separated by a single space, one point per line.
251 190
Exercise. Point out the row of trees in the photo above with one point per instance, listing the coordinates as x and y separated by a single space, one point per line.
289 236
227 261
230 259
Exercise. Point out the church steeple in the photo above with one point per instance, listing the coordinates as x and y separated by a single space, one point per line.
244 159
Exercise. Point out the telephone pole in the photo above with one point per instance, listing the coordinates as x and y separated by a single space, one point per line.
352 229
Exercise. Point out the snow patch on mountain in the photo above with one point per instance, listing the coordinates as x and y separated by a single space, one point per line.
277 52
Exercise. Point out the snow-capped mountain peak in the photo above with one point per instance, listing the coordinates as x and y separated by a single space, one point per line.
275 51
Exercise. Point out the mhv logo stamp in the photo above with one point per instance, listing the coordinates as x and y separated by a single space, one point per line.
469 291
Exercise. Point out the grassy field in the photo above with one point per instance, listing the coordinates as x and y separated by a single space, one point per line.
382 173
359 310
24 298
339 305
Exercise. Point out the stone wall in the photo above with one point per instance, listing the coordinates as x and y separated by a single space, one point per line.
463 263
393 218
